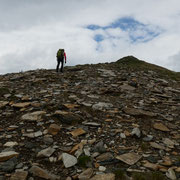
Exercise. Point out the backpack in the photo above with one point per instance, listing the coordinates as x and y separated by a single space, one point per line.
60 53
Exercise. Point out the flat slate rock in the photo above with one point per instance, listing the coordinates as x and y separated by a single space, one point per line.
3 103
21 105
138 112
129 158
161 127
78 132
41 173
19 175
7 155
156 146
46 152
69 160
108 176
34 116
86 174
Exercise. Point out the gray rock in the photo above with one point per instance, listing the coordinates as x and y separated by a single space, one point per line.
148 138
78 153
91 124
171 174
102 105
168 142
99 147
19 166
48 140
9 165
102 168
29 145
46 152
107 72
35 116
105 157
122 135
38 133
127 87
69 160
87 151
136 132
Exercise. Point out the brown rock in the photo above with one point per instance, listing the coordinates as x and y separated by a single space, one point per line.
167 161
108 176
162 168
154 167
25 98
54 129
104 157
78 132
21 105
150 165
156 146
3 103
7 155
129 158
71 106
78 146
177 169
127 87
161 127
41 173
68 178
138 112
19 175
86 174
127 133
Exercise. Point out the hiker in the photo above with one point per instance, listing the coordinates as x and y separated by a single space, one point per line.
60 58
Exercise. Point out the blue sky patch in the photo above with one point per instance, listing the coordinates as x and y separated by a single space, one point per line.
137 31
98 37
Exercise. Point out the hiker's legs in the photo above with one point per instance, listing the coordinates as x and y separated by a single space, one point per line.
62 64
57 68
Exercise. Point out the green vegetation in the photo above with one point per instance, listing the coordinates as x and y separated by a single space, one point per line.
144 146
134 64
4 91
119 174
83 160
149 176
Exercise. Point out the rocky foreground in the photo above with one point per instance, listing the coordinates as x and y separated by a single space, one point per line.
98 122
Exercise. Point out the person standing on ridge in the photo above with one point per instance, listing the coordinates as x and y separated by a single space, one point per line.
61 55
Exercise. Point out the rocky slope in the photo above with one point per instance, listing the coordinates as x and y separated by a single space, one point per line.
105 121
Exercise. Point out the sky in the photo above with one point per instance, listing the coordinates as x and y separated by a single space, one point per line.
90 31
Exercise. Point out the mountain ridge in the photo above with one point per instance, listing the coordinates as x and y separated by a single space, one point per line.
94 121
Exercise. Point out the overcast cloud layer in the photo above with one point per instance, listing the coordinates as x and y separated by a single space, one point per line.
91 31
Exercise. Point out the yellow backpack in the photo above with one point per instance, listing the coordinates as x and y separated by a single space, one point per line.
60 53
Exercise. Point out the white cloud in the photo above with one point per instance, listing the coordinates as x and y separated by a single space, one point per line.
32 31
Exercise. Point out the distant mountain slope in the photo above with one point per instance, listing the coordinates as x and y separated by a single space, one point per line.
135 64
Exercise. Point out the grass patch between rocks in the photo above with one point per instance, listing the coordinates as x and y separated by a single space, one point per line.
83 161
149 176
4 91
